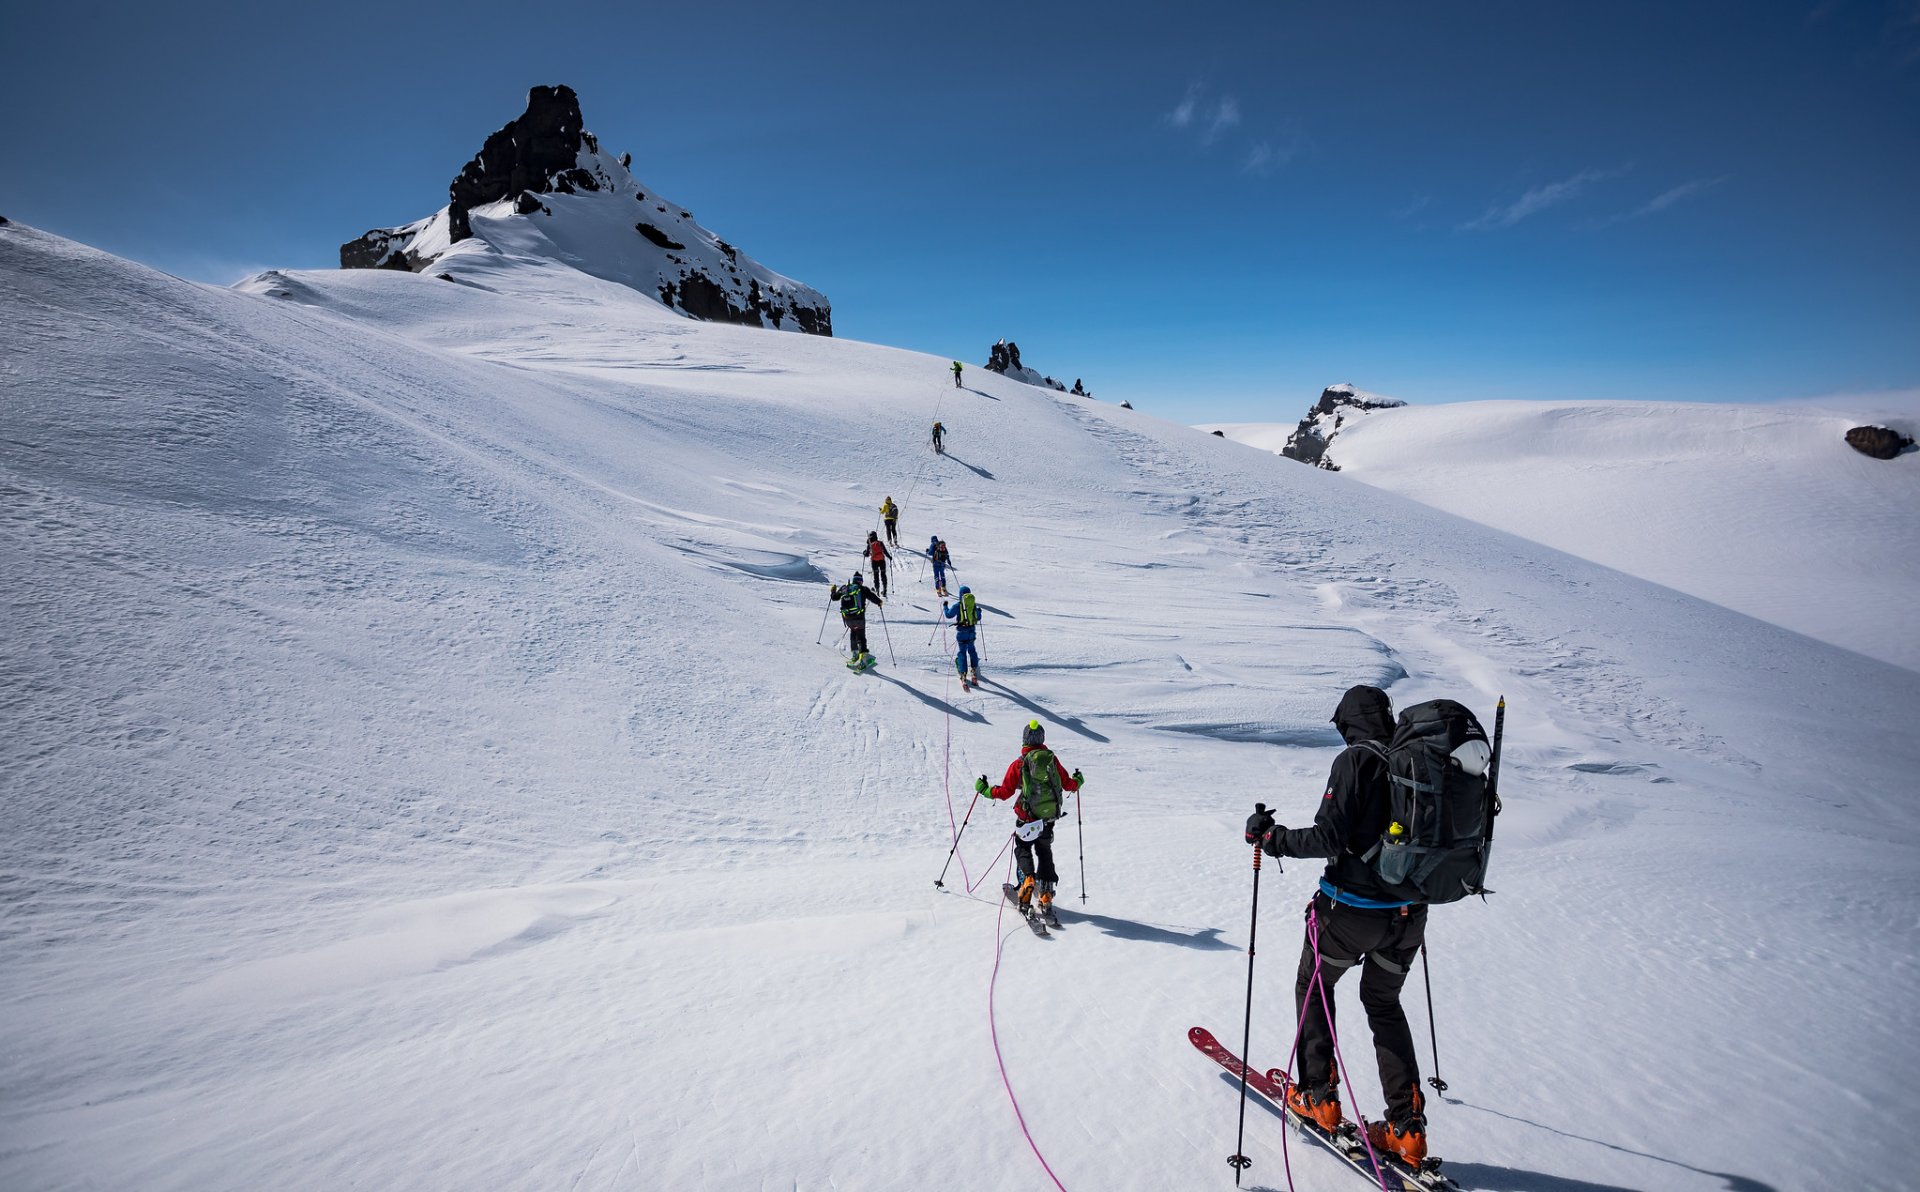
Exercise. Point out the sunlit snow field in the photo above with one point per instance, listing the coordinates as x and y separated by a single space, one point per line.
419 770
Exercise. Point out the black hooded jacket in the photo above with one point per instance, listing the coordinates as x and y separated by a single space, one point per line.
1353 813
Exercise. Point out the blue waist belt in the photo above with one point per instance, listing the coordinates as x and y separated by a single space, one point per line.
1366 904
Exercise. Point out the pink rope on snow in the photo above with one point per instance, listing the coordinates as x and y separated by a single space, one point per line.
999 944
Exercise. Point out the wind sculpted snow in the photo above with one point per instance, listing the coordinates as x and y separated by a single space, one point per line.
418 772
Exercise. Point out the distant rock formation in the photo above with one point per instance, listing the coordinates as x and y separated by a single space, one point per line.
544 165
538 153
1004 358
1338 405
1878 441
1079 390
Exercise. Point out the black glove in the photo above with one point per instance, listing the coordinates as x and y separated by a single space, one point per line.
1258 825
1273 839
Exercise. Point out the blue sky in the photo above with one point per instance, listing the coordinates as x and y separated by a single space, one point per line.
1211 209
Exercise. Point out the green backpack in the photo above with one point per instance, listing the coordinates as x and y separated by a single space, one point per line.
969 611
1040 785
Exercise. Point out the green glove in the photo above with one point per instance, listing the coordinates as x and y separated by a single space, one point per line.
1077 780
980 785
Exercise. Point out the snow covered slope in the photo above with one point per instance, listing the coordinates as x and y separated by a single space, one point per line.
542 186
417 774
1764 509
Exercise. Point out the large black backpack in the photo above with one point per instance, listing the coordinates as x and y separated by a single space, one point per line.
1443 801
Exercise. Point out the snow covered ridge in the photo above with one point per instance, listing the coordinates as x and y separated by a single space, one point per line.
546 171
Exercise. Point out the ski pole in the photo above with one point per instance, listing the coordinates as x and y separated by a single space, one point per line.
941 880
1239 1158
1439 1085
820 637
1080 829
891 660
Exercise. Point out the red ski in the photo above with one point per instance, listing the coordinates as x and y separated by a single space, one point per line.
1271 1087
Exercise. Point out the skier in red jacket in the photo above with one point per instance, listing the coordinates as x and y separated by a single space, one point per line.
1037 778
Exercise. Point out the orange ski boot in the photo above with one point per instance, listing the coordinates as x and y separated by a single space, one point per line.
1320 1106
1405 1139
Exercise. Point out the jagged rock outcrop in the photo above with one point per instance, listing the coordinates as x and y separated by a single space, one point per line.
1878 441
544 165
537 153
1337 407
1004 358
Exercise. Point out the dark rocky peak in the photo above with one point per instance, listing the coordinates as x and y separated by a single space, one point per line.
592 216
538 153
1337 407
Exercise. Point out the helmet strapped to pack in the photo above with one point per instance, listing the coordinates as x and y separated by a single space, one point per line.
1441 805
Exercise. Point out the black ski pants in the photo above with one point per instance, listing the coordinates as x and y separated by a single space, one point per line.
1384 942
893 534
1024 856
880 576
857 634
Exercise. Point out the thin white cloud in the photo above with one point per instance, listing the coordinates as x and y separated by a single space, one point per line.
1184 111
1663 200
1420 203
1226 114
1264 157
1534 201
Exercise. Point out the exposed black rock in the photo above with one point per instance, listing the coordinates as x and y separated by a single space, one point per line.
1079 390
1004 358
1878 441
1219 434
537 152
382 248
657 236
1309 441
1126 405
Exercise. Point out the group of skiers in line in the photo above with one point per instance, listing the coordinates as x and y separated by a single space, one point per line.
1366 913
855 595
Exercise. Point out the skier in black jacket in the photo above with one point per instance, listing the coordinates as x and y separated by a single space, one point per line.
1360 919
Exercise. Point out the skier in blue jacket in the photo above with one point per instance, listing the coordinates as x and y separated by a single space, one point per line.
937 552
966 620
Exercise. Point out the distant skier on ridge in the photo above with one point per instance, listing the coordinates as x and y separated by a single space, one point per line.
1038 778
956 374
939 435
